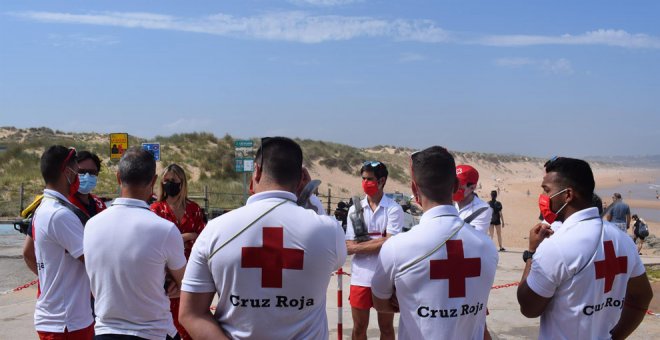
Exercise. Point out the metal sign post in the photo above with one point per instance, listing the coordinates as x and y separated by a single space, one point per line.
153 148
244 161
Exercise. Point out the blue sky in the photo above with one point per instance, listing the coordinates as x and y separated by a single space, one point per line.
527 77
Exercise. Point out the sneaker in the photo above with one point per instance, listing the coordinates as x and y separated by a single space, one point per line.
502 249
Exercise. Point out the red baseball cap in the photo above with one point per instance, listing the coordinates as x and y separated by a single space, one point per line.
467 174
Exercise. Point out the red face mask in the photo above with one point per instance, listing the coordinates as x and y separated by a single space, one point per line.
544 205
73 186
459 195
370 187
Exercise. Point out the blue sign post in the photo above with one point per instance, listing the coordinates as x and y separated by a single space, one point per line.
153 148
244 161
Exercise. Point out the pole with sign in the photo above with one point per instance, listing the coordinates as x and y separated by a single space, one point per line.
153 148
118 144
244 161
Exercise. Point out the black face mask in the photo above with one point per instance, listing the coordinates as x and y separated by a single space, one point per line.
172 189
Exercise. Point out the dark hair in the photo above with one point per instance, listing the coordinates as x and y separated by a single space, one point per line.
281 159
434 171
137 167
635 217
574 173
617 195
379 170
53 162
85 155
493 193
598 203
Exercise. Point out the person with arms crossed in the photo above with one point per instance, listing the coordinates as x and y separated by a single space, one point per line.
438 274
173 205
585 280
383 218
128 251
63 309
269 262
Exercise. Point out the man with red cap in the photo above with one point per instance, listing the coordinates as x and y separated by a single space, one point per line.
470 207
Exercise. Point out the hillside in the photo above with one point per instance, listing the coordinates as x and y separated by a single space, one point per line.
209 161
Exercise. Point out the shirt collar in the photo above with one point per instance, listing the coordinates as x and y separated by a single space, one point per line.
271 194
131 202
438 211
385 202
54 193
584 214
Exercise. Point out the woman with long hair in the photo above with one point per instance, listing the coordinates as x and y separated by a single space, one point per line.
173 205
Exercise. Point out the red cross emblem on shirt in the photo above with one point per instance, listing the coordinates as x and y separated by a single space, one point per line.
272 257
611 266
456 268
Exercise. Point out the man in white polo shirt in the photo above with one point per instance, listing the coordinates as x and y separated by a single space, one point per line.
63 309
128 251
439 273
268 262
469 205
382 217
585 280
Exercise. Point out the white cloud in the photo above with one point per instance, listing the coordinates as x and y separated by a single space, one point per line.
513 62
411 57
607 37
298 26
59 40
559 66
323 3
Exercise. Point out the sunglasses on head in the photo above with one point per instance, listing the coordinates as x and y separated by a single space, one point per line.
72 153
551 160
372 164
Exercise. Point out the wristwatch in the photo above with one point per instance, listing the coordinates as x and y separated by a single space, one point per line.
527 255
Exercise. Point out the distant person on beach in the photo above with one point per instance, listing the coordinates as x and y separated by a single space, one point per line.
128 252
173 205
619 212
268 263
383 218
640 232
438 274
586 280
497 221
63 309
469 205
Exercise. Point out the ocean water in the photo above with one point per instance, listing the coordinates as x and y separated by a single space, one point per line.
637 191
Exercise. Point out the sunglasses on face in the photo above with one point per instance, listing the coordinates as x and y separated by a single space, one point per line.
88 171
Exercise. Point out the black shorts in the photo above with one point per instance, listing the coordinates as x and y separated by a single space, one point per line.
495 223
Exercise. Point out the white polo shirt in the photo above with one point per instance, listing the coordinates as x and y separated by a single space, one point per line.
272 278
481 222
387 218
64 301
443 296
584 267
127 249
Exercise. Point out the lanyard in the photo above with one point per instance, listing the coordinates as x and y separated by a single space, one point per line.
418 260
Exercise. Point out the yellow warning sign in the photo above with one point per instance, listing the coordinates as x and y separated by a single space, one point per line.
118 144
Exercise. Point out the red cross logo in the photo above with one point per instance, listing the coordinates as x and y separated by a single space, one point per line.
611 266
272 258
456 268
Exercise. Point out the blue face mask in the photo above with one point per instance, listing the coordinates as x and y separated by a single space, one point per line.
87 183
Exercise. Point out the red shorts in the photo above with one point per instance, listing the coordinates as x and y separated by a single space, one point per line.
86 333
360 297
